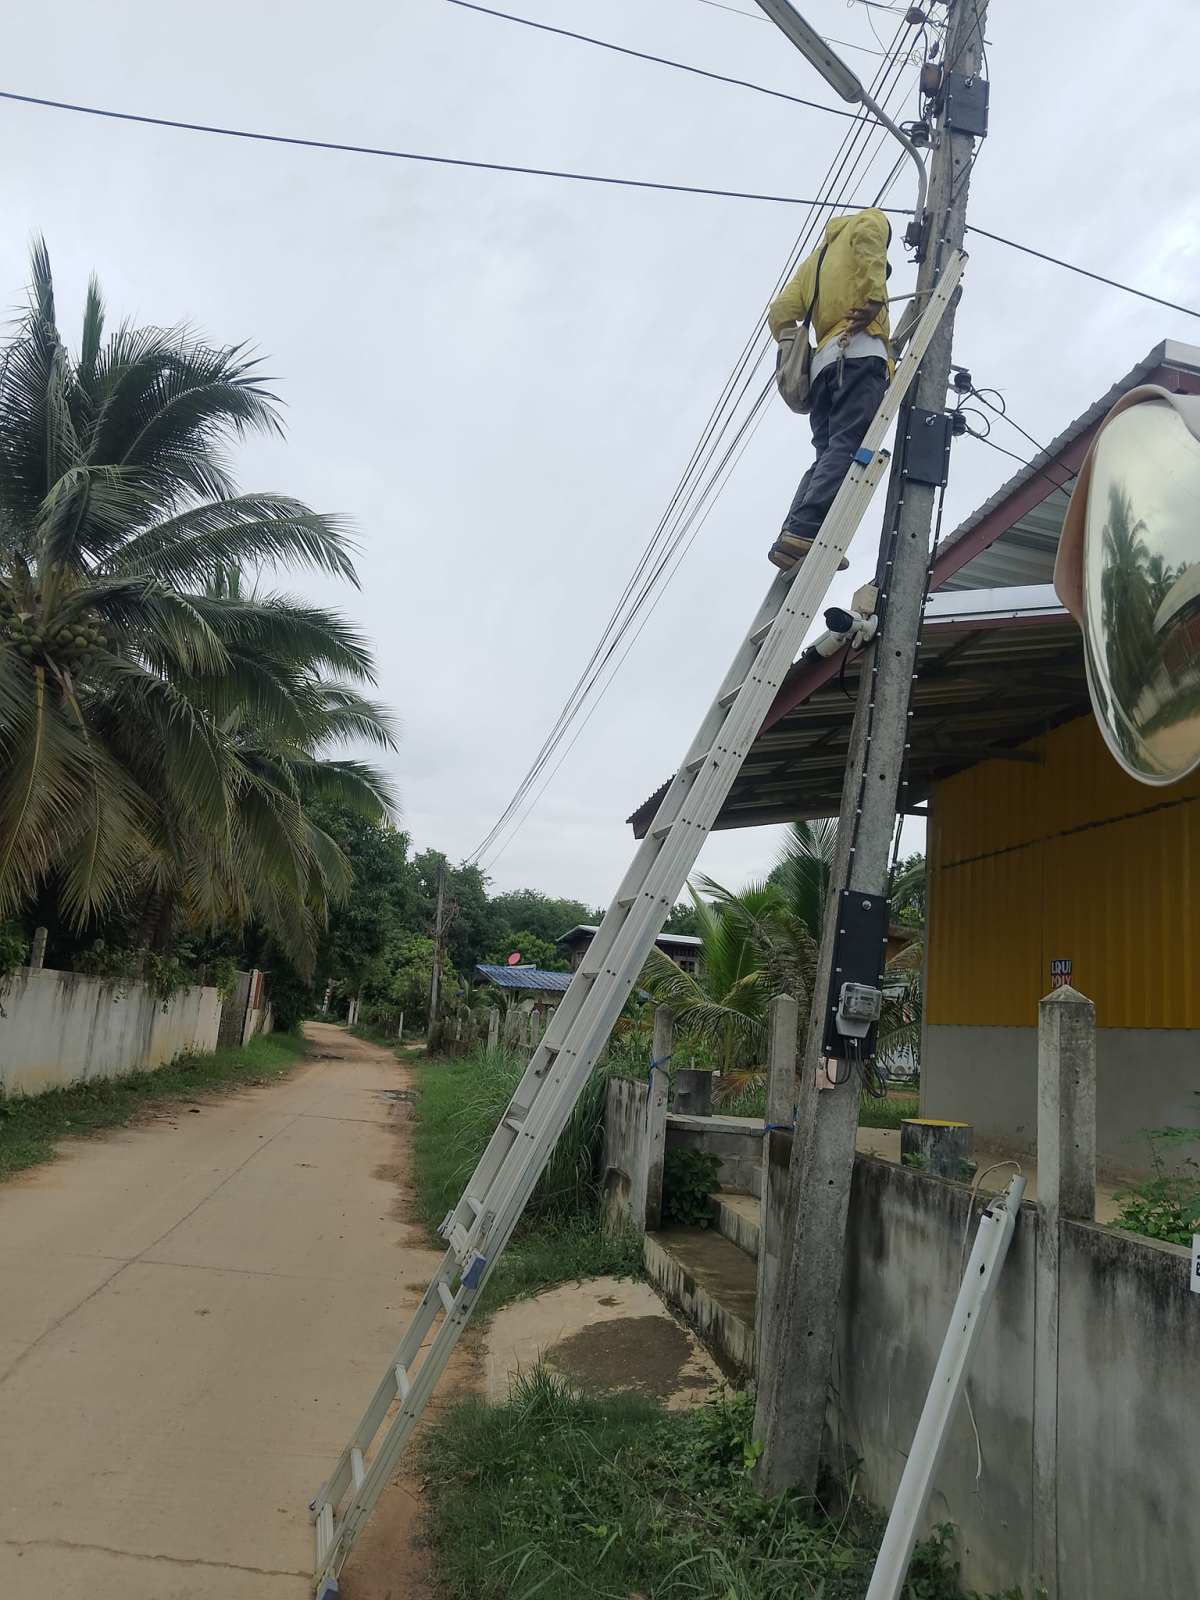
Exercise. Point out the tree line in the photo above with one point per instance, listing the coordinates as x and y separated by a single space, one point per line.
178 782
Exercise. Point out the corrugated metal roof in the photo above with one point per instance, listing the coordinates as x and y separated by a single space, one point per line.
523 978
985 684
663 938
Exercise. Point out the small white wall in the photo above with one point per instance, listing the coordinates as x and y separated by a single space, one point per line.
1145 1078
66 1027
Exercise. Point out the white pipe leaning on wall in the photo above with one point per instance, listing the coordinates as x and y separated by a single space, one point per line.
975 1297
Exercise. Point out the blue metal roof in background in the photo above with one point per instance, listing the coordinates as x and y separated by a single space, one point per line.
525 978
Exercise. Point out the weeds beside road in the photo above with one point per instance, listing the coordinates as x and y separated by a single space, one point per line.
561 1235
563 1494
30 1124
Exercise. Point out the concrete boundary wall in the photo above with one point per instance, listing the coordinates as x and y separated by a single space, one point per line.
60 1028
1128 1448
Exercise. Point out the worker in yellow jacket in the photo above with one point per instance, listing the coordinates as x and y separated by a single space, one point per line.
842 289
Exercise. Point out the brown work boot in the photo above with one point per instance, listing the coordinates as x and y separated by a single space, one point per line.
790 548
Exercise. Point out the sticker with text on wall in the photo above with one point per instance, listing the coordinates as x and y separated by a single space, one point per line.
1060 973
1196 1263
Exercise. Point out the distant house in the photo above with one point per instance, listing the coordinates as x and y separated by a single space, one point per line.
526 983
683 948
904 946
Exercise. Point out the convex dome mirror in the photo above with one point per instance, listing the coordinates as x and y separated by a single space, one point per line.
1128 570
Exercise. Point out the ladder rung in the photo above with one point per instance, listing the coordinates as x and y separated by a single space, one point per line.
445 1294
515 1123
760 634
458 1239
357 1468
697 762
324 1531
729 696
662 830
402 1382
589 972
476 1205
627 900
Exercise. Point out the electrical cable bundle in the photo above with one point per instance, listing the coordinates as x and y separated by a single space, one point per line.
730 426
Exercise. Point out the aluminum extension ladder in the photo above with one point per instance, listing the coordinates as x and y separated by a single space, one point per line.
479 1227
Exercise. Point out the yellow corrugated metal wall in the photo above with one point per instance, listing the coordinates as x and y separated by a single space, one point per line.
1073 859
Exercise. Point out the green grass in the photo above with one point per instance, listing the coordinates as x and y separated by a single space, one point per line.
561 1236
370 1034
29 1124
887 1113
561 1495
872 1113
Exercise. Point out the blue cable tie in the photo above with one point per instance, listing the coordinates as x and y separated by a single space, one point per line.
779 1127
650 1075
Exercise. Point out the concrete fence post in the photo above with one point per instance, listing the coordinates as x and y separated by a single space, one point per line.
493 1038
654 1144
37 955
400 1027
1066 1191
253 1003
780 1111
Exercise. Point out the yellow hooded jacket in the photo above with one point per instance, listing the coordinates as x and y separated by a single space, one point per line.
854 271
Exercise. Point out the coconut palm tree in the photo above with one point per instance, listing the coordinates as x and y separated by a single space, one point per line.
159 732
723 1003
762 942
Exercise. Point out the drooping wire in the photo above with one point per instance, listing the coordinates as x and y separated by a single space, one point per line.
1012 454
744 436
551 172
685 520
695 487
999 408
661 61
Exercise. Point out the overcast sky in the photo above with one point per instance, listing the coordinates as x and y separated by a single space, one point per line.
500 378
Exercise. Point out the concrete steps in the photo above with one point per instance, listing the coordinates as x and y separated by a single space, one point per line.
736 1217
710 1276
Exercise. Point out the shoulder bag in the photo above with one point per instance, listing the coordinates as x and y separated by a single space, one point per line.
793 360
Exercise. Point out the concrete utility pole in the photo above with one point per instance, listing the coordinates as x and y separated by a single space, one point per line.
801 1321
432 1032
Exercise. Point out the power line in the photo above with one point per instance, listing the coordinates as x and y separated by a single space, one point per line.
687 510
550 172
750 15
1012 454
1084 272
661 61
847 44
411 155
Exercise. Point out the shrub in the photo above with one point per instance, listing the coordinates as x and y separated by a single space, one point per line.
689 1177
1166 1206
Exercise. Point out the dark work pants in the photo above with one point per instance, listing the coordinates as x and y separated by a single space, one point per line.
840 416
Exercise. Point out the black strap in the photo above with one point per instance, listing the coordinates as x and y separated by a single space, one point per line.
812 306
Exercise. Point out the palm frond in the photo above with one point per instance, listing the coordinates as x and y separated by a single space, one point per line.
236 531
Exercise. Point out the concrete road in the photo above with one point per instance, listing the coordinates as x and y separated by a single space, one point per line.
193 1312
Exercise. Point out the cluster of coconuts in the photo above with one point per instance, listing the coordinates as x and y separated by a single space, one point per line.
76 640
